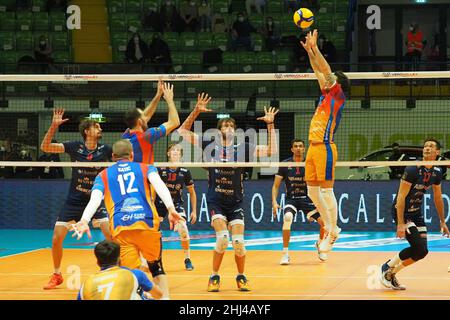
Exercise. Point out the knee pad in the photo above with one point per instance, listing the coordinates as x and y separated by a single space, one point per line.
182 229
238 245
287 219
418 244
222 241
156 267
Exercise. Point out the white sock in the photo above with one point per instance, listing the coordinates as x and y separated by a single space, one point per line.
187 254
286 251
57 270
394 261
214 273
398 267
331 205
315 195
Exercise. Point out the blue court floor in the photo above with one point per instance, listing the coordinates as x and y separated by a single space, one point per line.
18 241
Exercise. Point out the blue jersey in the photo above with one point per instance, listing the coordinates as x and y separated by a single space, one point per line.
129 197
294 179
421 179
225 185
83 178
175 180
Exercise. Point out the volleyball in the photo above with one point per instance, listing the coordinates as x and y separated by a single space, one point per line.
303 18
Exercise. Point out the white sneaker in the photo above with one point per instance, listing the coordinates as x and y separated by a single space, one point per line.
285 260
327 244
322 255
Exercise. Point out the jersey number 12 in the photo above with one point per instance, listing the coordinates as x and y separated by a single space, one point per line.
129 178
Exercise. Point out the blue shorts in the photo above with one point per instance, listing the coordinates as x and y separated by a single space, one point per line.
301 204
416 218
70 212
232 214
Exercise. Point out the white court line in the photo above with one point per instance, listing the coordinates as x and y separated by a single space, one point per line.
17 254
277 240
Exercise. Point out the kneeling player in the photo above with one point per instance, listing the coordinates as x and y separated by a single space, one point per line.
176 179
296 199
408 216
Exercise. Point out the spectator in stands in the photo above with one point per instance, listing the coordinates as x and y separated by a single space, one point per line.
204 14
49 172
170 17
189 15
300 55
137 50
152 20
414 46
291 5
241 33
56 5
23 172
160 55
220 25
327 48
271 34
257 4
43 52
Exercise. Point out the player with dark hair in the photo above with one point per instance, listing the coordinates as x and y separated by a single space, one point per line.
225 185
296 199
129 192
322 152
88 150
176 178
116 283
140 135
408 216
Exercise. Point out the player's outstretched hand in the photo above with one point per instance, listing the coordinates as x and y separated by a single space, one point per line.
58 114
444 230
80 228
275 208
202 101
174 218
168 91
193 217
160 88
270 115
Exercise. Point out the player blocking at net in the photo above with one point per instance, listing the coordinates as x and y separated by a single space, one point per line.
176 178
408 216
322 152
225 184
296 199
88 150
128 189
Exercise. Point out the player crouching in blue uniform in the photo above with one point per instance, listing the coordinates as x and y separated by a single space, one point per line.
407 214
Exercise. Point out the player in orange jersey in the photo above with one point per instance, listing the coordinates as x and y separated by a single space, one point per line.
322 152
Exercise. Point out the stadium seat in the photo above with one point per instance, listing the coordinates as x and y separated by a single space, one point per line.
188 41
338 39
221 6
6 5
24 40
288 25
133 6
40 22
119 41
257 21
147 36
59 40
24 24
283 58
246 61
116 6
57 21
327 6
118 22
342 7
340 22
274 6
147 4
264 62
133 24
8 57
193 61
171 38
221 41
324 22
7 41
205 41
258 42
230 62
39 5
61 56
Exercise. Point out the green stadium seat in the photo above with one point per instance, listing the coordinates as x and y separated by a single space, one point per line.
177 62
289 25
61 56
230 62
342 6
264 62
205 41
246 61
57 21
8 57
147 36
119 41
221 6
193 61
338 39
340 22
6 5
24 40
116 6
134 25
39 5
24 24
41 22
258 42
188 41
8 24
134 6
59 40
274 6
283 59
7 41
327 6
324 22
118 22
257 21
147 4
221 41
24 15
171 38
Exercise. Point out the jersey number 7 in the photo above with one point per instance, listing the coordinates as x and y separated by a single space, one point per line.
129 178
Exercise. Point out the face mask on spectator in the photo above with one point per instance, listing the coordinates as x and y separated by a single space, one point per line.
192 3
168 3
136 39
240 18
270 22
411 28
42 43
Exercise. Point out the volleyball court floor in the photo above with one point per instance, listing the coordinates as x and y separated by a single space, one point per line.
351 272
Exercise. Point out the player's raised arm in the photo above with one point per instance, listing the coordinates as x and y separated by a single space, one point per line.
185 129
272 147
439 203
174 120
324 67
150 110
313 59
47 145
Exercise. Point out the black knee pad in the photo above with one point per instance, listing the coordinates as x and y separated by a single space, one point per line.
420 251
156 268
419 248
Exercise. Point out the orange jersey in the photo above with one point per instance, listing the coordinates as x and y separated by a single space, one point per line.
326 120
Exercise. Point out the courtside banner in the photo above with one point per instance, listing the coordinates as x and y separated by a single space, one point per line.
362 206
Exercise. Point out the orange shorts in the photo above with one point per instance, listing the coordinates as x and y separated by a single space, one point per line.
320 162
134 242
